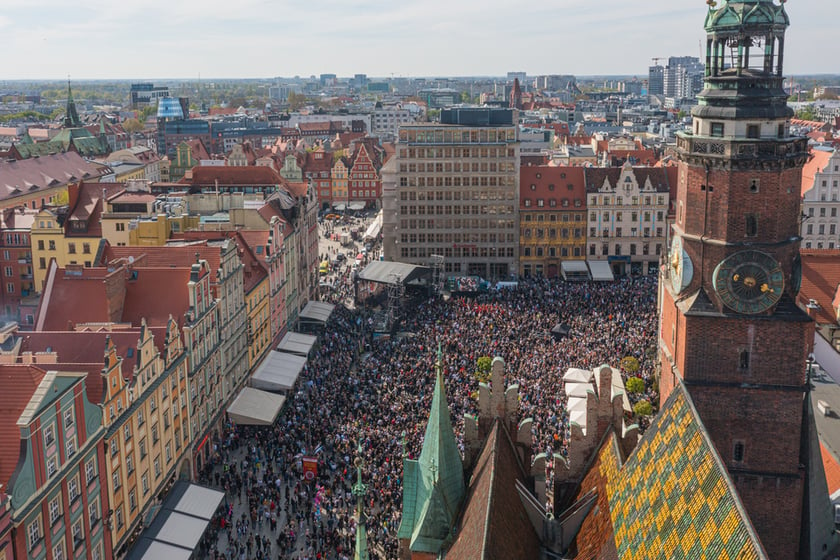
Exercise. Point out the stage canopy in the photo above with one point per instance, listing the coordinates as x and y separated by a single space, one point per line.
560 330
297 343
278 372
318 311
387 272
253 407
180 523
601 271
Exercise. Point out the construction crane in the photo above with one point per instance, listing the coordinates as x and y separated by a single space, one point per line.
656 59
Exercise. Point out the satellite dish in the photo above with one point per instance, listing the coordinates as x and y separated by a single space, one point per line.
130 259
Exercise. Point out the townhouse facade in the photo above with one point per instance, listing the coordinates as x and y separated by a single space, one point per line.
821 200
55 490
16 263
628 209
552 213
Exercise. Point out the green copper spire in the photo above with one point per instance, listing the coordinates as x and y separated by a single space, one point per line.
359 490
434 484
71 117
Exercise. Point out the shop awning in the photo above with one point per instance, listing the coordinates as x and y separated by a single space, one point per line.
601 271
297 343
340 207
253 407
574 270
317 311
180 524
356 206
278 372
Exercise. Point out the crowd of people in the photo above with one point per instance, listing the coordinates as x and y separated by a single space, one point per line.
379 399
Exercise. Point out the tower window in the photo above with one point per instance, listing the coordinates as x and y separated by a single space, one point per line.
738 451
744 359
717 129
751 228
754 183
752 131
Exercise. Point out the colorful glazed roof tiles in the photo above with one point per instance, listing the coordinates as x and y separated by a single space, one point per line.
673 497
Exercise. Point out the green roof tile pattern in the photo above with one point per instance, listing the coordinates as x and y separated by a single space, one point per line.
673 497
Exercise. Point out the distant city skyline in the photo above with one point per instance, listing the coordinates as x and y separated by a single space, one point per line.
101 39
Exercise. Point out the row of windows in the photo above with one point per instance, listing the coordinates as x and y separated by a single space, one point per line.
456 238
552 202
454 136
458 167
457 181
441 196
822 212
457 252
605 249
448 223
634 216
552 252
832 229
610 200
35 532
552 233
529 217
457 210
619 232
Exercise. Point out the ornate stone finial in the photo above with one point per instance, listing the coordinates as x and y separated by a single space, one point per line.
711 3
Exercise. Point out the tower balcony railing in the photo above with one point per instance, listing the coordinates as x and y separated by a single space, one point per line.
741 148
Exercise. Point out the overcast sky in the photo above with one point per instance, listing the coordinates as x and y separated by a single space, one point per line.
119 39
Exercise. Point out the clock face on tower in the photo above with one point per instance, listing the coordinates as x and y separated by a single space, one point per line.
749 282
682 271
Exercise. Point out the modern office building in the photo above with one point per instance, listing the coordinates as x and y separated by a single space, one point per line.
456 193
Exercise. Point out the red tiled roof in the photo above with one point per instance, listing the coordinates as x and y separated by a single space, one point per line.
19 383
172 255
815 165
832 470
254 271
820 278
76 295
228 175
549 182
198 149
156 293
86 206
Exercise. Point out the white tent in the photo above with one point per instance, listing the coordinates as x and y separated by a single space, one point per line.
574 270
179 526
576 375
375 227
297 343
601 271
578 390
339 207
253 407
278 372
356 206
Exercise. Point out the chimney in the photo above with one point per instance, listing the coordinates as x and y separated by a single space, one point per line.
812 308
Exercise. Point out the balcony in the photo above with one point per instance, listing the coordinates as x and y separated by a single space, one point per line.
25 260
742 150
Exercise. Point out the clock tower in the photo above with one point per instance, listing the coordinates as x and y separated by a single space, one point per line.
730 330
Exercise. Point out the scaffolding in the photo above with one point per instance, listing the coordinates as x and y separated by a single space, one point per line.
396 292
437 273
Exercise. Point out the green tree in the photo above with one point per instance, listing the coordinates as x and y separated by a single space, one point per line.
132 125
806 113
482 372
630 364
635 385
643 408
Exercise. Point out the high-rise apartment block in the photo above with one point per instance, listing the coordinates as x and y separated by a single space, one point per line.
456 193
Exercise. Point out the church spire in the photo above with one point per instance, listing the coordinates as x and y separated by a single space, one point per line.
359 490
434 483
71 117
